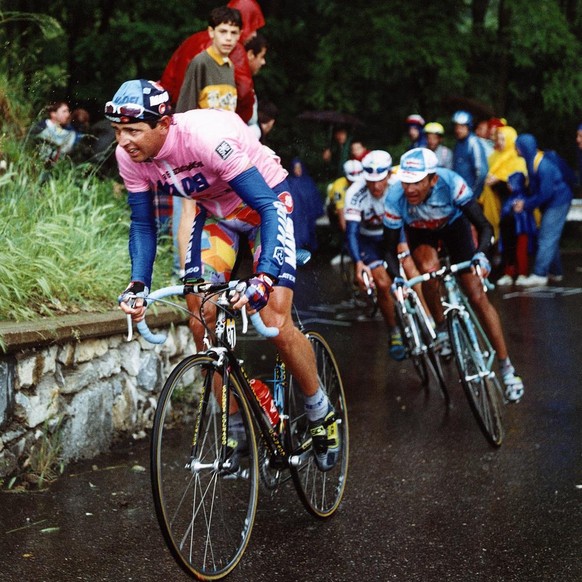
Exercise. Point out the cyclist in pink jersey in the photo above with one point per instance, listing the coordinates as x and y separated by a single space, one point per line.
239 187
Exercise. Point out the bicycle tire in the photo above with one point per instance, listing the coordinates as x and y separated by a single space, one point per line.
419 360
434 359
206 513
480 384
320 492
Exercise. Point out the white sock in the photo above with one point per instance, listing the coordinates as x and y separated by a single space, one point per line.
316 406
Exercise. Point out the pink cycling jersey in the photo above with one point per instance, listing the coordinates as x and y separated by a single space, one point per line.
204 150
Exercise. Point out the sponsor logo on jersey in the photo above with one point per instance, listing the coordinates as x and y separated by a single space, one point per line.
287 200
279 255
224 150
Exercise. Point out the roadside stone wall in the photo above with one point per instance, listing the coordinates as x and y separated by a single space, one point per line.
82 394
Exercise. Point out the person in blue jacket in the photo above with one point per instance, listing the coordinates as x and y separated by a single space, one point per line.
307 205
553 196
469 156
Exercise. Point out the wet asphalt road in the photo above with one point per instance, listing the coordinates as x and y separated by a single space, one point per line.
427 498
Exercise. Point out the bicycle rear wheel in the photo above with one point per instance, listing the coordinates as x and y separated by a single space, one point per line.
205 508
320 492
480 384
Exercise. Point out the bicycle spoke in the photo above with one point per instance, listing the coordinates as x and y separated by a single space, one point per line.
205 512
321 492
478 381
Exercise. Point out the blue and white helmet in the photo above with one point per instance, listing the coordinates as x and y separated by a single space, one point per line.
463 118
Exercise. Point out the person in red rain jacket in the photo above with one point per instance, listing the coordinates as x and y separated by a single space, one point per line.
173 75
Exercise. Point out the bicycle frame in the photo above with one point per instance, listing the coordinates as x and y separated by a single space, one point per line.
457 300
222 350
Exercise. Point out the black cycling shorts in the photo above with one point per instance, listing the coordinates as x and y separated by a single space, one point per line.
456 238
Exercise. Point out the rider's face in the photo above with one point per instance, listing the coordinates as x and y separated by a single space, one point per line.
141 141
418 192
377 189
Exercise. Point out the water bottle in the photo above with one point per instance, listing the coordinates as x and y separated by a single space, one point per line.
263 393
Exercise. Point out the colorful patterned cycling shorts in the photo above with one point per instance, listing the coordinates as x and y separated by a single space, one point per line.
220 241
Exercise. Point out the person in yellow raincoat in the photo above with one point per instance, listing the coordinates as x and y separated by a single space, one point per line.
503 162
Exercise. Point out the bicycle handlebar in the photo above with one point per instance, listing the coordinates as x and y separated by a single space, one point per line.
204 287
444 270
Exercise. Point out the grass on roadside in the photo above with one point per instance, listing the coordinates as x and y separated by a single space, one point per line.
64 240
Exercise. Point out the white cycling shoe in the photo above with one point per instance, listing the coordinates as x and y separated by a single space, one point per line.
513 387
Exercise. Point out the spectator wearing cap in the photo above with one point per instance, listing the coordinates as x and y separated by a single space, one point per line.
415 125
364 209
469 157
435 206
435 133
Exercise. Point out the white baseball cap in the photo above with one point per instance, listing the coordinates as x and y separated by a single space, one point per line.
376 165
416 164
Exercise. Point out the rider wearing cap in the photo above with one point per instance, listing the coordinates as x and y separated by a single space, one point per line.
239 186
436 206
363 213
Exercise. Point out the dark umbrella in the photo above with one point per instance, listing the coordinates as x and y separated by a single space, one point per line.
479 109
331 117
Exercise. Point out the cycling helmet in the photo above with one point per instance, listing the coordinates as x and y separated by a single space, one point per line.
353 170
415 119
376 165
463 118
138 100
434 127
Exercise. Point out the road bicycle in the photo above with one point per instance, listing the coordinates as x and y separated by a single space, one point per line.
418 335
474 355
205 490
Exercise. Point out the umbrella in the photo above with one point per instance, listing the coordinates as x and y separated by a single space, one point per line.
479 109
331 117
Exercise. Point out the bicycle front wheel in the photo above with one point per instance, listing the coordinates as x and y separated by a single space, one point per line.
414 351
320 491
433 357
480 384
205 491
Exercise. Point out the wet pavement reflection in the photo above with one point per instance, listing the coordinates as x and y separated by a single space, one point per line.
427 498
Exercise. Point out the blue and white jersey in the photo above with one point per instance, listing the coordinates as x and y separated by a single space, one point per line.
441 207
470 162
362 207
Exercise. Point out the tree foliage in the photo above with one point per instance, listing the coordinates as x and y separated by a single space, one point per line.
379 60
